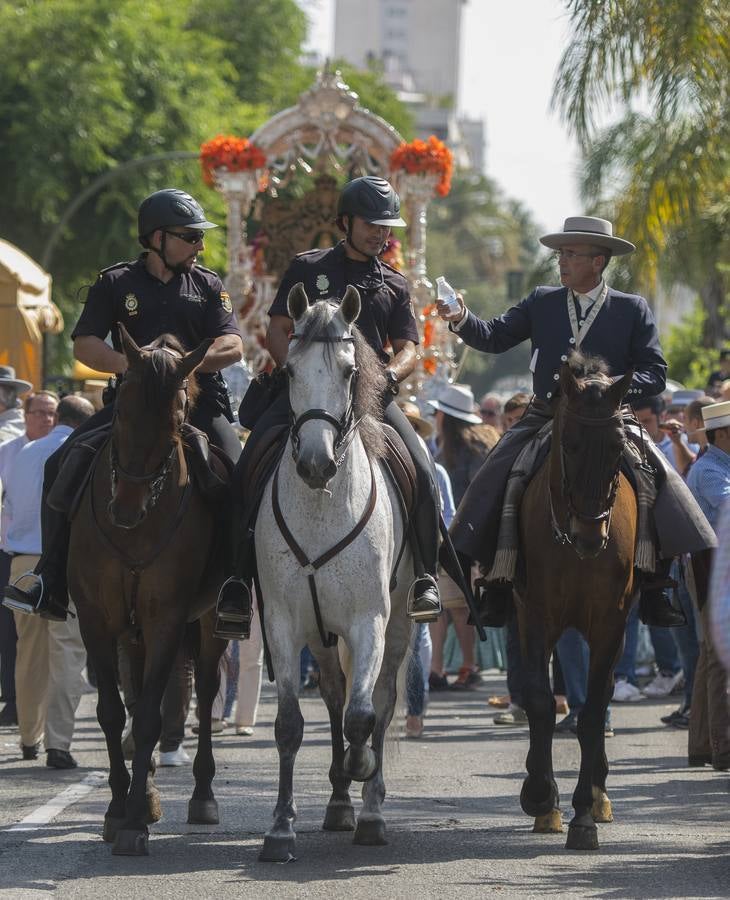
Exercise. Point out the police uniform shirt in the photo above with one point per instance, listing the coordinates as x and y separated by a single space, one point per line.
387 311
623 333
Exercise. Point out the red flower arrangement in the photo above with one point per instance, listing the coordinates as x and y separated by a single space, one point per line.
426 157
232 153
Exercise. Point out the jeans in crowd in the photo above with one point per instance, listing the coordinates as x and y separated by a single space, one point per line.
419 665
514 663
686 638
626 666
574 655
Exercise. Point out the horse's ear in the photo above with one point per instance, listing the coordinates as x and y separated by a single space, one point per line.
297 303
193 359
130 348
568 382
618 389
350 306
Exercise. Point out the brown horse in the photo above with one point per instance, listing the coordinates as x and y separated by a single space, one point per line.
142 564
578 531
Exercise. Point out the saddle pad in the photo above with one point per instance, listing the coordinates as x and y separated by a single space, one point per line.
400 465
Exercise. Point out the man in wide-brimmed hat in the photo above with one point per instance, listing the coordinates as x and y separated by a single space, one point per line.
12 420
584 314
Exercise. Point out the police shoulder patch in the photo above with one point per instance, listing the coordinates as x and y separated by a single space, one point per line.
131 304
119 265
226 301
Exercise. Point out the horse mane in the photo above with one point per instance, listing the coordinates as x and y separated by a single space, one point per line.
370 384
159 378
584 366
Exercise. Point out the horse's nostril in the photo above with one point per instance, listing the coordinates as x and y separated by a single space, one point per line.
330 470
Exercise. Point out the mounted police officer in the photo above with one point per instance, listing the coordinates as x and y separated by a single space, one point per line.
587 315
163 291
368 208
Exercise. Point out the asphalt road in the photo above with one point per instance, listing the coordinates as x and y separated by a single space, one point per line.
455 825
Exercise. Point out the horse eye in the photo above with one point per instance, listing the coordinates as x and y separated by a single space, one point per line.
350 371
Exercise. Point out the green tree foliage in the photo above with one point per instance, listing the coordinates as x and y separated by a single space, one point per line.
662 176
680 347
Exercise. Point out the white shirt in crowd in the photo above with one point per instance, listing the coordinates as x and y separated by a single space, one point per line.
8 451
24 491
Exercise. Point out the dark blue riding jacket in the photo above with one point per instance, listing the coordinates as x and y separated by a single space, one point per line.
623 333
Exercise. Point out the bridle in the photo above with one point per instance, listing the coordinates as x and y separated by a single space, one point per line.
345 426
157 478
561 534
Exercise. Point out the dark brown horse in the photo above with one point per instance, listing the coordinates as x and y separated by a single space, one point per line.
578 531
142 564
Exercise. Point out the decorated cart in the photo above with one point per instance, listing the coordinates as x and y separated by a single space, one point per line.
327 138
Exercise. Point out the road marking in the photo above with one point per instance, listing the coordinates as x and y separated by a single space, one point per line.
46 813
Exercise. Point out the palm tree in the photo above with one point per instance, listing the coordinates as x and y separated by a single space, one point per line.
663 175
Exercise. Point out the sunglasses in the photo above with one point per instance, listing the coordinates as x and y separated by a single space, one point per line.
190 237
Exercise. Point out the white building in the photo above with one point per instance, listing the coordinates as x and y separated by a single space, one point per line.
418 45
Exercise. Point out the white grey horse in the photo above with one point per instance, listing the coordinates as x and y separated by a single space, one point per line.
331 493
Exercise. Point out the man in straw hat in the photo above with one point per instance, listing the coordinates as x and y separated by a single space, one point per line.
12 420
585 314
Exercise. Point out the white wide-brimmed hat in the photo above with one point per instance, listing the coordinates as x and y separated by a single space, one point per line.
457 400
8 379
716 415
588 230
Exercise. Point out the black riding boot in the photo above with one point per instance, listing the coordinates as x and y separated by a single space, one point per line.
494 601
234 606
426 603
655 602
44 592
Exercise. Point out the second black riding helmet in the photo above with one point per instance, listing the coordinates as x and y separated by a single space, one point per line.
371 198
168 208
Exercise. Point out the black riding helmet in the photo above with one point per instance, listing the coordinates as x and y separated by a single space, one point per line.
167 208
371 198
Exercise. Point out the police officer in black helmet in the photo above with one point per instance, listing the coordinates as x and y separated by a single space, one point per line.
163 291
368 207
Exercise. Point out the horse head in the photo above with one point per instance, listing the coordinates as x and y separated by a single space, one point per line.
322 371
151 405
591 441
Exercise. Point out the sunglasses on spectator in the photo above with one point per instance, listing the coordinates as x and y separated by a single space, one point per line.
190 237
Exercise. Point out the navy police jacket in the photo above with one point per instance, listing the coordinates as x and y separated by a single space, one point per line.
623 333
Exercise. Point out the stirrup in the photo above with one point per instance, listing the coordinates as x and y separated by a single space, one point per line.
233 624
426 615
14 597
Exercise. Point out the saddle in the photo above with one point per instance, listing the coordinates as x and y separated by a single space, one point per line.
209 465
401 469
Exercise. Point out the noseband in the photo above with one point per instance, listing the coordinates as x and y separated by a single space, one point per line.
561 535
345 427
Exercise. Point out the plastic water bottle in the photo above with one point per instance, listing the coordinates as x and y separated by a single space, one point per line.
447 294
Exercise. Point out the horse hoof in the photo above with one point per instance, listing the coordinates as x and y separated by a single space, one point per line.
154 806
278 848
203 812
370 832
601 809
582 837
130 842
551 823
360 763
339 817
540 807
111 827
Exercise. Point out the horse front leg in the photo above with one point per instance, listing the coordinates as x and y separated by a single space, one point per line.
366 645
143 800
340 815
371 828
202 806
539 796
111 717
590 802
280 839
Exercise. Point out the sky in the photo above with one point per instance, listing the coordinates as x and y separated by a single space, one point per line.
509 57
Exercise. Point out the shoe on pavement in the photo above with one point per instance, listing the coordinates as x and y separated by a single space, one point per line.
31 751
466 680
681 713
60 759
695 760
437 682
514 715
721 761
245 730
500 702
179 757
625 692
568 724
216 726
664 685
414 727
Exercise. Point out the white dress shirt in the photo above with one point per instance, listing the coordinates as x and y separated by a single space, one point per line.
8 451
